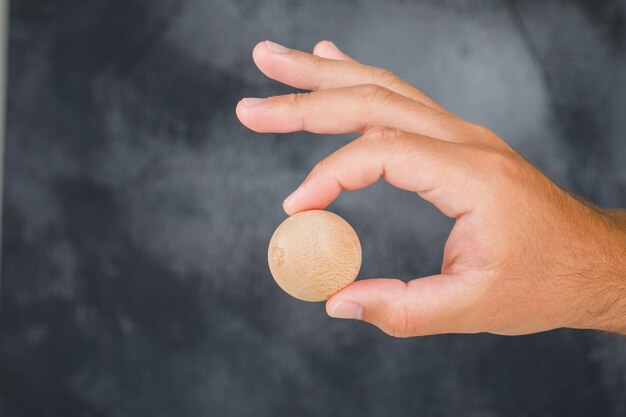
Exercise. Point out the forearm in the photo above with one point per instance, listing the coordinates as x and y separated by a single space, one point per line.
617 215
611 315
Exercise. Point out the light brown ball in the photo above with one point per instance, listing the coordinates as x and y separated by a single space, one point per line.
313 254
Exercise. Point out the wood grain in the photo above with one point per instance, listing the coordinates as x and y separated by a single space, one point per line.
313 254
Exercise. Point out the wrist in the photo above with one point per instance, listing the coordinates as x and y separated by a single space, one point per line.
606 310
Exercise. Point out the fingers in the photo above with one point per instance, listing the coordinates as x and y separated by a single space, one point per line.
424 306
438 171
347 110
311 72
328 50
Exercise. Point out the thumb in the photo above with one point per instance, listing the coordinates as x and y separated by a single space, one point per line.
424 306
328 50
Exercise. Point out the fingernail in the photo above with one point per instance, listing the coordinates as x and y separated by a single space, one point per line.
253 101
332 44
347 310
277 48
290 196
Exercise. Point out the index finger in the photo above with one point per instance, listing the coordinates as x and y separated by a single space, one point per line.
328 50
436 170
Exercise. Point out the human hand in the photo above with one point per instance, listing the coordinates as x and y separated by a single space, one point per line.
524 255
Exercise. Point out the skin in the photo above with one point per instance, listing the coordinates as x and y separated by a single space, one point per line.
524 255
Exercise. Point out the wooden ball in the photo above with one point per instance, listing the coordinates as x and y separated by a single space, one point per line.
313 254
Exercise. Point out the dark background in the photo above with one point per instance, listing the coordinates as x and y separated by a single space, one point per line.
137 210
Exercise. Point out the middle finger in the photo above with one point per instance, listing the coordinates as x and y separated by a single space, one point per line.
310 72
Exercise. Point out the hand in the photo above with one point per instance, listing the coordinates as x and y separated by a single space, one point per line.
524 255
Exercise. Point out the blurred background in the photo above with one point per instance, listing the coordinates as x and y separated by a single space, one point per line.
137 210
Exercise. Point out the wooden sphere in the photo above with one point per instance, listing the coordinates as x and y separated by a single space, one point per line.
313 254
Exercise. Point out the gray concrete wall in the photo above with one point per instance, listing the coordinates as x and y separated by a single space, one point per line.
138 210
4 36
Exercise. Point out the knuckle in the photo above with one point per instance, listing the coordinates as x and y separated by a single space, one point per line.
373 93
501 161
384 77
399 323
381 137
486 135
497 166
482 130
316 60
318 65
298 99
321 166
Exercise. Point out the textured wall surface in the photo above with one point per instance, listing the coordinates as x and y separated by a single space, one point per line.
138 210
